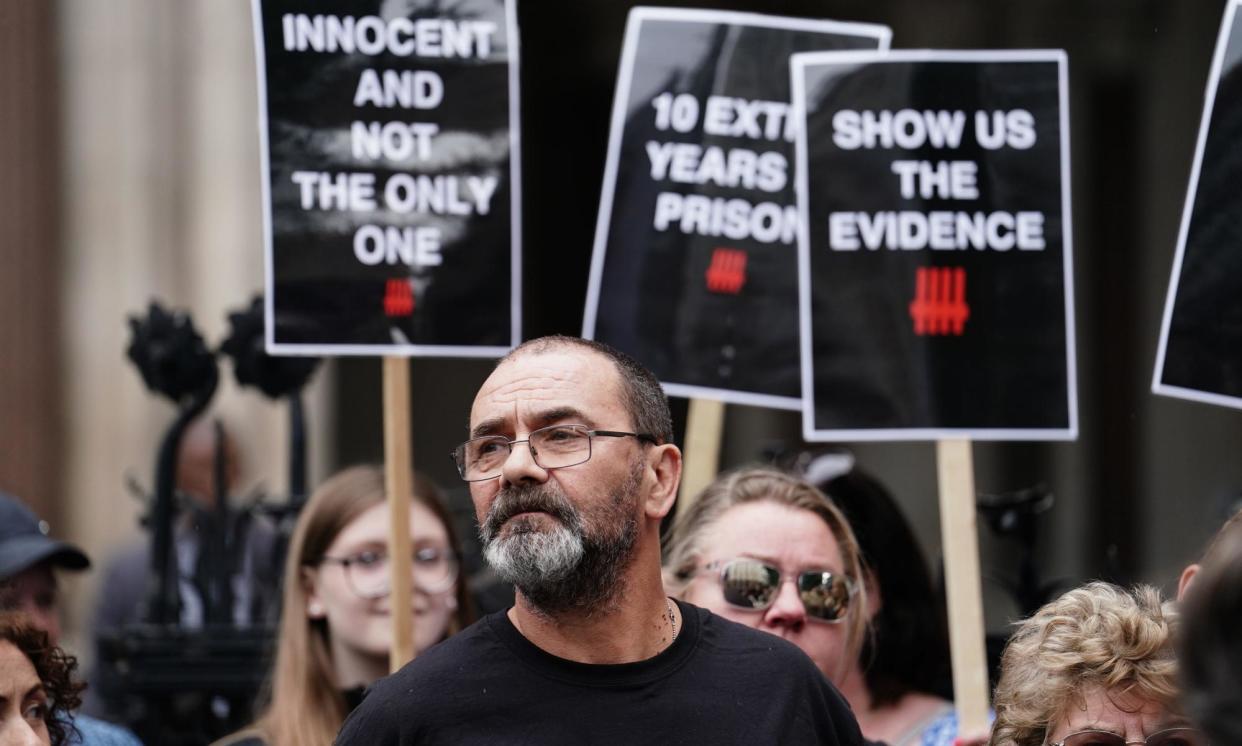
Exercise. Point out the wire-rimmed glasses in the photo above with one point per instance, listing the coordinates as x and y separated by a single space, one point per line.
553 447
366 572
1183 736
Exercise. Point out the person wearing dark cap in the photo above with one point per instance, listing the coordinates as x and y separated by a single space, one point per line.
29 558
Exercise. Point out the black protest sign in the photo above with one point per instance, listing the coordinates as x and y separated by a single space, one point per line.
695 270
934 246
390 176
1200 351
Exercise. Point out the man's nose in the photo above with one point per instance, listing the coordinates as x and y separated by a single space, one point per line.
520 466
787 610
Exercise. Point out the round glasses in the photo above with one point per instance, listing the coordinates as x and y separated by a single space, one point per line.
1167 737
552 447
434 571
754 585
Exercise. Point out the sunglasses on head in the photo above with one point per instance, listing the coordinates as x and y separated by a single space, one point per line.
1168 737
754 585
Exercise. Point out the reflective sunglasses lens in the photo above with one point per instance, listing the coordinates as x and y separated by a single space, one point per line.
1094 738
1177 737
825 596
749 584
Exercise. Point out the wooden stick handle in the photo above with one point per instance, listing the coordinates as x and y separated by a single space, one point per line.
704 429
398 471
960 537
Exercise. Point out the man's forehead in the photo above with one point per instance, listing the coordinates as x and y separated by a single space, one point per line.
563 375
551 365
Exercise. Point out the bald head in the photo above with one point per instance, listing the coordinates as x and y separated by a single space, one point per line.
196 461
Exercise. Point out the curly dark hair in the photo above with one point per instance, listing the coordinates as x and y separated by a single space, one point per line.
54 668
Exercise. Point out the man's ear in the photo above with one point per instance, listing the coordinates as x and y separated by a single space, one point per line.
664 464
1183 583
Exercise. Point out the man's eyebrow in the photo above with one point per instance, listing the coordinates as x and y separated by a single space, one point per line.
558 414
487 427
496 425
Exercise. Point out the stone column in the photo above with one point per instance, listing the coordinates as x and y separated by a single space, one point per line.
30 411
161 200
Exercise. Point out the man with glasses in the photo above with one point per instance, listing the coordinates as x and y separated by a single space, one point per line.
571 470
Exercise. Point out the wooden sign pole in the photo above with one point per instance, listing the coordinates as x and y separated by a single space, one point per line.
704 432
960 537
398 471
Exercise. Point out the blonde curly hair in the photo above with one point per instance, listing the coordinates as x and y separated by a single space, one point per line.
1098 635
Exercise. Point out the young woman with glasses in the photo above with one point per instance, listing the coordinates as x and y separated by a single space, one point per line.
335 629
1096 667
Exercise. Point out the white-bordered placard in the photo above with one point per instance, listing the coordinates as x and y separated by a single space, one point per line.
935 245
1199 354
392 202
712 309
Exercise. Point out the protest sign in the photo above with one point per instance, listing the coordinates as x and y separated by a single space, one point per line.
934 245
390 177
694 270
1200 351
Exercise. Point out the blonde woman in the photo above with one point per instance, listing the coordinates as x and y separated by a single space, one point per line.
768 550
336 623
1096 667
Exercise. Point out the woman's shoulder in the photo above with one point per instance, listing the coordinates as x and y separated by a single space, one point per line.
248 737
920 719
941 730
92 732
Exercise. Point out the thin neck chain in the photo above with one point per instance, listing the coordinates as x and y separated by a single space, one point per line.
672 620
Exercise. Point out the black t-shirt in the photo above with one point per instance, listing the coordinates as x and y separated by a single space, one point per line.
718 683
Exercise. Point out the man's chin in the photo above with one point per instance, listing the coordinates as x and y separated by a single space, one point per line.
528 523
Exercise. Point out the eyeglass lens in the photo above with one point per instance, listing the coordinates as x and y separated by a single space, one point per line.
551 447
752 584
1169 737
434 571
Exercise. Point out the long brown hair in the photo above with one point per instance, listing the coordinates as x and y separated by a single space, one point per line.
305 705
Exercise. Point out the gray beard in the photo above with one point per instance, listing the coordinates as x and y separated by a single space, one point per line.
567 568
527 557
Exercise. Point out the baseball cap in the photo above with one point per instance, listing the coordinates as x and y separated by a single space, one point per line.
24 541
